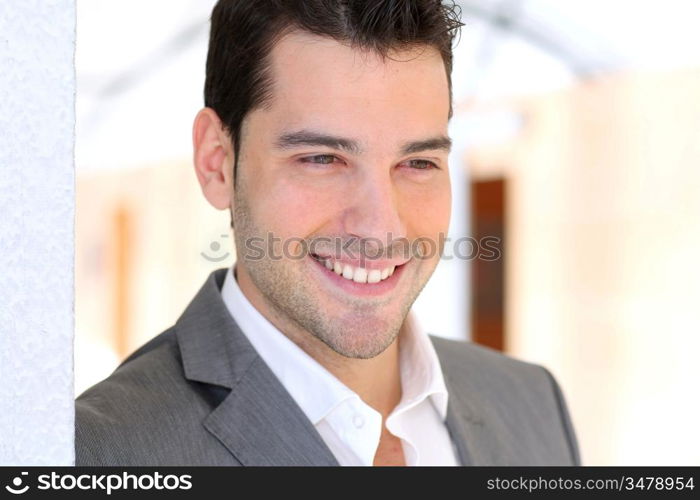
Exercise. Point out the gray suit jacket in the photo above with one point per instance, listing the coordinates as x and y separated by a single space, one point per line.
199 394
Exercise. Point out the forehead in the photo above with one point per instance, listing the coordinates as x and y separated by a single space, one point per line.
317 81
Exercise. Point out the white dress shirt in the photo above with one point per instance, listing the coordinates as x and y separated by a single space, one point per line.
350 428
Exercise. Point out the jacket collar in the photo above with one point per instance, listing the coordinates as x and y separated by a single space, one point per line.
214 350
258 421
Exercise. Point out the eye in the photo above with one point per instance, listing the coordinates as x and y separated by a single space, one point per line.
319 159
419 164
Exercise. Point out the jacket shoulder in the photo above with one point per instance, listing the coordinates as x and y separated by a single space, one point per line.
135 416
514 393
465 357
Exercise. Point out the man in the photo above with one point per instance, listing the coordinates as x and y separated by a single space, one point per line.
325 134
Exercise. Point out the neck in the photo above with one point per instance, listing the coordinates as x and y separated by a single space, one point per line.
377 381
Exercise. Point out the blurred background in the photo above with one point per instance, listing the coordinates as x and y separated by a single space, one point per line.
577 144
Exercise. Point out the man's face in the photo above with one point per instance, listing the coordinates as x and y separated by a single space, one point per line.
351 150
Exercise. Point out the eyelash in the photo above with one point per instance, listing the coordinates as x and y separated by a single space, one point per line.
310 159
431 165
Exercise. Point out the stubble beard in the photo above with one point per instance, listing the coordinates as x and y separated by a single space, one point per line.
360 331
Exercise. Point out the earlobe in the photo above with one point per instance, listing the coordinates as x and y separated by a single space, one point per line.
213 158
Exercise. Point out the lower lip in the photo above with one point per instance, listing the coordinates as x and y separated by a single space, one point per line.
360 289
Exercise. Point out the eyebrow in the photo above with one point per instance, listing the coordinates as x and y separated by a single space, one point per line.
310 138
442 142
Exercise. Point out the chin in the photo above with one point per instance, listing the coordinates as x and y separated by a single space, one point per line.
360 341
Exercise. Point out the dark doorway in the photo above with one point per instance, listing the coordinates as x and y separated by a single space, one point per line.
488 290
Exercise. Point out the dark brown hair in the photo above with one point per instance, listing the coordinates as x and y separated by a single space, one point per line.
243 33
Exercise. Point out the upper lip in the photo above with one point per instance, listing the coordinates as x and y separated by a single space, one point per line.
365 263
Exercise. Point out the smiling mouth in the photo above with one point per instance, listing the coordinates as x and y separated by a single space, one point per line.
356 274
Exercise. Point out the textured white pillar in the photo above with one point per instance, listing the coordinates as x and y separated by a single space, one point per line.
37 94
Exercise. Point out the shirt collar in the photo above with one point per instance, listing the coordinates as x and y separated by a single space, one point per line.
421 373
315 389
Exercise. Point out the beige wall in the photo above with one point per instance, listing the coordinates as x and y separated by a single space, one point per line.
603 248
139 238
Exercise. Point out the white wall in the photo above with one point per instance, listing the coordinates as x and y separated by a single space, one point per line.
37 88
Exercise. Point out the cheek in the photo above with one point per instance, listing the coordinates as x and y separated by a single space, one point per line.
292 209
433 231
279 202
428 210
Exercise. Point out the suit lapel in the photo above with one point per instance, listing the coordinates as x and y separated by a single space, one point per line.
258 421
458 433
476 440
261 424
466 429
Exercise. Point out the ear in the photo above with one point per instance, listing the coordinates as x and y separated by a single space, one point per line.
213 158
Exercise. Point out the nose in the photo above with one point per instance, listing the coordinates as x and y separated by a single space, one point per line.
374 210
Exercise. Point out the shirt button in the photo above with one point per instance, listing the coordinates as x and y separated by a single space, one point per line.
358 421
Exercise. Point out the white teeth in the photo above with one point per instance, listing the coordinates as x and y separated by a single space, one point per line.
347 272
358 274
